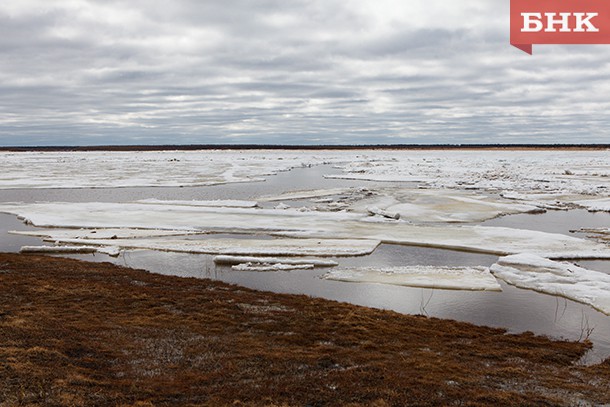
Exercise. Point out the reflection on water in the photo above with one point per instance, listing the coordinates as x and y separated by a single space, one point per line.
515 309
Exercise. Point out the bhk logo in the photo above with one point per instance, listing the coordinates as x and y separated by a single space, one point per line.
559 22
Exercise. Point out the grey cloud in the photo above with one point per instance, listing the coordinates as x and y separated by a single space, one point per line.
294 72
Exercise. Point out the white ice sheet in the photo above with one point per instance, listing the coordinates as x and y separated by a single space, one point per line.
273 260
273 247
556 278
292 223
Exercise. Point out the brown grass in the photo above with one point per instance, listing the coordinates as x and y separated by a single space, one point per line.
80 334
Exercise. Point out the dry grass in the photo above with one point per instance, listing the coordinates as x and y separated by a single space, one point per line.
81 334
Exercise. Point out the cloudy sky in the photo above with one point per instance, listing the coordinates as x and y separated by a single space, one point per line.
87 72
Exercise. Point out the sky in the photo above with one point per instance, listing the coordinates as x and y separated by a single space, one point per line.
87 72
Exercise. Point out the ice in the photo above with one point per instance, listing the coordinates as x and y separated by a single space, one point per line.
271 267
479 239
601 234
414 205
58 234
175 217
595 205
228 203
150 168
567 172
58 249
455 278
317 225
427 206
273 247
545 201
308 194
273 260
564 172
381 212
556 278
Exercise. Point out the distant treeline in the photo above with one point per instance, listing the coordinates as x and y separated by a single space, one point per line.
192 147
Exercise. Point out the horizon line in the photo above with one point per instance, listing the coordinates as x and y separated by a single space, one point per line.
251 146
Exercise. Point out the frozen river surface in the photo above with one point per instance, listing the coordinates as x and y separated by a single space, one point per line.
397 227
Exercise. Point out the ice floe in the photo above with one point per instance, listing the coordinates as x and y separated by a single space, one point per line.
572 172
109 250
556 278
149 168
273 260
566 172
227 203
58 249
267 247
58 234
381 212
595 205
271 267
296 224
308 194
456 278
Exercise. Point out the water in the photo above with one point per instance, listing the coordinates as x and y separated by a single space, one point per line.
514 309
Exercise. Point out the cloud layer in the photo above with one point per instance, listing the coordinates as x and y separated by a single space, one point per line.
289 72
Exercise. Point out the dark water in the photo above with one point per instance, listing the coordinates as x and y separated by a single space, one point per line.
514 309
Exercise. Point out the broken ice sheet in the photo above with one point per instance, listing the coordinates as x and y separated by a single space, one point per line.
595 205
227 203
556 278
454 278
449 206
307 194
271 267
109 250
273 260
568 172
292 223
150 168
58 249
273 247
57 234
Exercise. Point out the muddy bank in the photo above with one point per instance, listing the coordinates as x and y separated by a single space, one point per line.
77 333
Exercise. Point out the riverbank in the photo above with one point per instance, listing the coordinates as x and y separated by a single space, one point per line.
78 333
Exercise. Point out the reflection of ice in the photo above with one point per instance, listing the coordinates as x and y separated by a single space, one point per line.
458 278
556 278
296 224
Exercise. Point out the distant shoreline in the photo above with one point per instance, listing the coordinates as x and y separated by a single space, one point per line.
406 147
